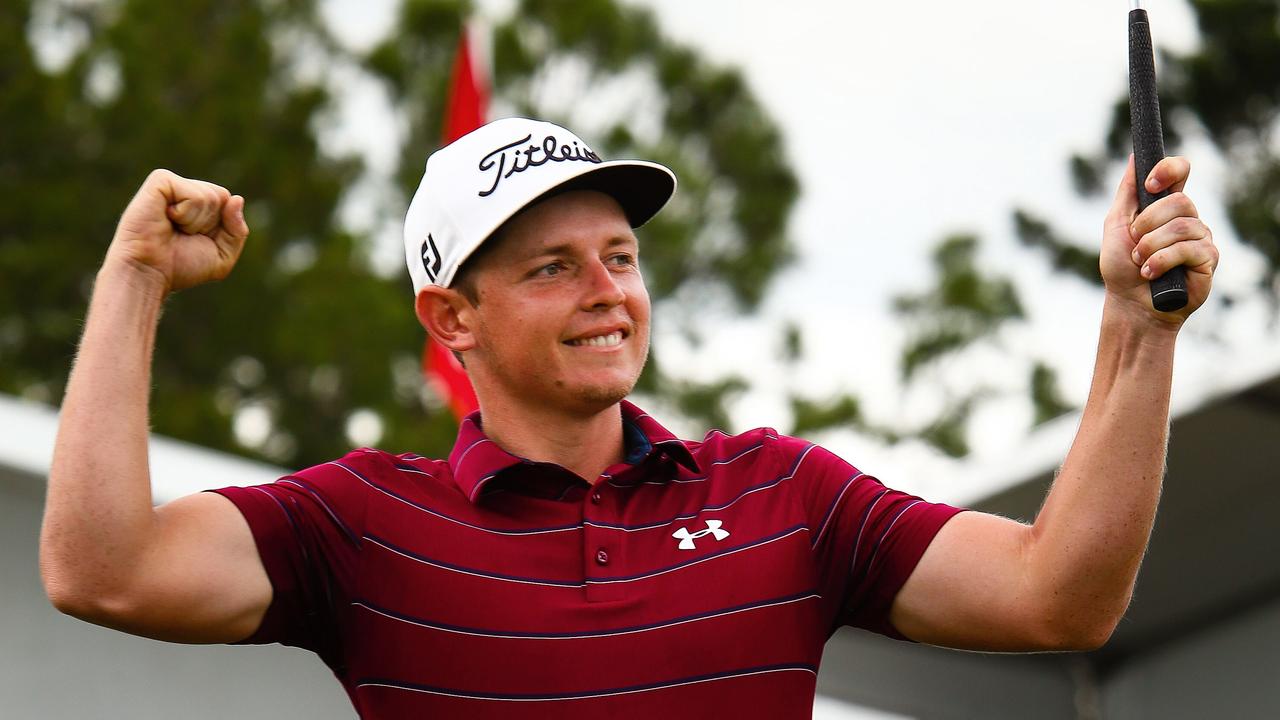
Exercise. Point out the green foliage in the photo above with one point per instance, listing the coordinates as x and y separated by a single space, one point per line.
304 330
1063 254
1086 174
792 342
968 308
1045 397
964 307
226 109
809 415
705 402
947 431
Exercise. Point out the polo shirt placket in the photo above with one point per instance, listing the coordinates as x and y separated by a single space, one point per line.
603 550
604 540
604 547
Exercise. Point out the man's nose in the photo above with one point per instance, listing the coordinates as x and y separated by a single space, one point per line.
603 290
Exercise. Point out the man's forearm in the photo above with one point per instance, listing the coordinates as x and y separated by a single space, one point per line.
98 509
1090 536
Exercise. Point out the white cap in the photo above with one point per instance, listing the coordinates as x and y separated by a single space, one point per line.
479 181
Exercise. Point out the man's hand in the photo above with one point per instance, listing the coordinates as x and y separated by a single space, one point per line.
181 232
1139 248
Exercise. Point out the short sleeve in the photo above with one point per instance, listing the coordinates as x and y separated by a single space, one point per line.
867 538
307 529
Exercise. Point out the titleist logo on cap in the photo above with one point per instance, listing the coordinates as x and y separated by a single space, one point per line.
483 179
516 157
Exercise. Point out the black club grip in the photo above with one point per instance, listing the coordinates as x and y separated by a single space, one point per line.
1169 291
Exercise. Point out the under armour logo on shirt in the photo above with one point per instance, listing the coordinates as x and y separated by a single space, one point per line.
686 538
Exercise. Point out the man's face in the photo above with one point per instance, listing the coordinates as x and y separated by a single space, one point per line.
563 314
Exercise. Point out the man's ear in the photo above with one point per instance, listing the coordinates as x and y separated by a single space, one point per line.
446 315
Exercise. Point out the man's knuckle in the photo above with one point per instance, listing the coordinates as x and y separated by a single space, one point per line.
159 175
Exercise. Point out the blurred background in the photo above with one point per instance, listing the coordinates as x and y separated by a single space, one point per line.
884 240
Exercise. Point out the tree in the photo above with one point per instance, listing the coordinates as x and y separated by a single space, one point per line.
1227 92
306 340
965 312
606 70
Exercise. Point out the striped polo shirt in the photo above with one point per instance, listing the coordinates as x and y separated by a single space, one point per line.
699 578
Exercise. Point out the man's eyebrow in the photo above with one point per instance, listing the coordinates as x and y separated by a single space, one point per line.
567 248
561 249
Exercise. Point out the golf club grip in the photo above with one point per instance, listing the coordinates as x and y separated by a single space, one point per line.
1169 291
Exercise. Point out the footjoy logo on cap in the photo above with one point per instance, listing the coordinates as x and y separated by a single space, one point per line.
430 257
518 156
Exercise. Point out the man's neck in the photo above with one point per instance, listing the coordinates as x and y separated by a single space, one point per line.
583 444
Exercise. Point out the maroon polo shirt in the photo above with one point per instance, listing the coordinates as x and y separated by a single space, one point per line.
698 579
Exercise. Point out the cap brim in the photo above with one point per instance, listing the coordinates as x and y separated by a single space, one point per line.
641 188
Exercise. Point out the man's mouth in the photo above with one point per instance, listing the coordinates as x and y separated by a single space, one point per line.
609 340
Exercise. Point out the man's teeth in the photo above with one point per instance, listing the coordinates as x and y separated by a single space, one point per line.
613 338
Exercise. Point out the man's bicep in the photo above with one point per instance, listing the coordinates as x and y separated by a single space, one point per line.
971 589
202 580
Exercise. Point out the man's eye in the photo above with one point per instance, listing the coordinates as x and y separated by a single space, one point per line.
622 259
551 269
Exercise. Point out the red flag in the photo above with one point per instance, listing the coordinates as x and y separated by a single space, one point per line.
468 93
465 111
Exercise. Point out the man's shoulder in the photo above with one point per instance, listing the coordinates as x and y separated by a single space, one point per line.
764 449
763 444
370 468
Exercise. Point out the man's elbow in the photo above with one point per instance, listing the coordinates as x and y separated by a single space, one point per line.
56 581
81 600
1080 631
65 597
1086 638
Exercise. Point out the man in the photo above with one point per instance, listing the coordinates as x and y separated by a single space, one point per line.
571 557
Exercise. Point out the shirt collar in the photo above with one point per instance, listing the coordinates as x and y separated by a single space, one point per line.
475 459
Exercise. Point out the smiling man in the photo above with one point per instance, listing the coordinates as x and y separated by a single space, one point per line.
571 557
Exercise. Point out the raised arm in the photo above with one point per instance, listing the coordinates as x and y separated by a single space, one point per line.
987 583
187 571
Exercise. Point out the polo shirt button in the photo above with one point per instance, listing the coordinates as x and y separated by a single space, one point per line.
602 557
595 497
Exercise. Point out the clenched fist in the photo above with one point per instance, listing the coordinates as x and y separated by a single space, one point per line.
183 232
1137 248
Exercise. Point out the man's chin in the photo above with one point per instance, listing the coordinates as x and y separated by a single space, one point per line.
596 398
600 391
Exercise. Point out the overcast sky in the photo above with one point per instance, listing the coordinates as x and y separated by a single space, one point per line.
907 121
